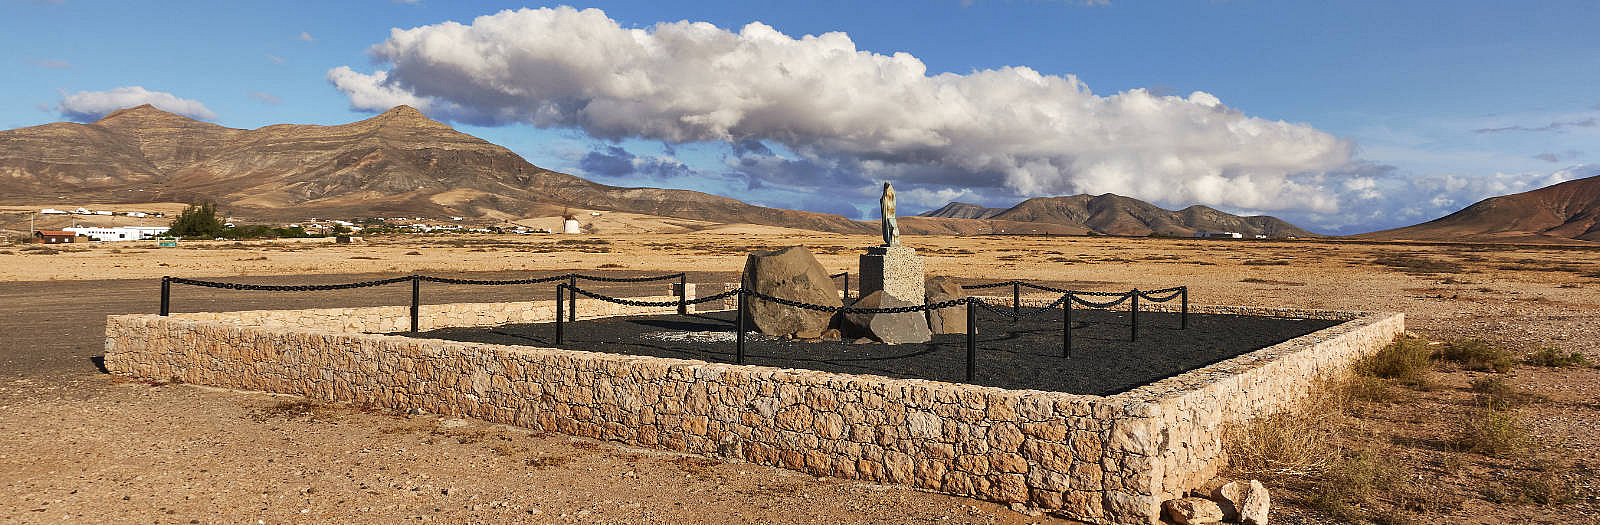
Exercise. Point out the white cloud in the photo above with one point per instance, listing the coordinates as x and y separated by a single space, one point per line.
275 59
89 106
845 111
306 37
266 98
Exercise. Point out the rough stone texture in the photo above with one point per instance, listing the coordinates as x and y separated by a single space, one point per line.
1247 503
945 320
894 269
794 274
388 319
908 327
1101 459
1193 511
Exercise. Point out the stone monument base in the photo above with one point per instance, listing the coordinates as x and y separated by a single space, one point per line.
896 270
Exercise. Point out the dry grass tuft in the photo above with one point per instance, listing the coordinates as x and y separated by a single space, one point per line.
1474 354
1554 357
1494 431
1407 360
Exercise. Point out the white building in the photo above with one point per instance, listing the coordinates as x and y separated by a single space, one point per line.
52 211
570 225
1219 235
120 233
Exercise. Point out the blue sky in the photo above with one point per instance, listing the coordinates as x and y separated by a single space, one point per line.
1339 116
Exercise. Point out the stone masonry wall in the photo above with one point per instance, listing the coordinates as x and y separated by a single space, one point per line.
1099 459
389 319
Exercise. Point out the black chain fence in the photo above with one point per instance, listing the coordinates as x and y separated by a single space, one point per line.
567 293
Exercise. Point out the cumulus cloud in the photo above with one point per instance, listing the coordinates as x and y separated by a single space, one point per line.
846 115
89 106
1376 197
266 98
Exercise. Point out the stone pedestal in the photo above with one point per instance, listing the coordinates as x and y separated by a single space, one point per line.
893 269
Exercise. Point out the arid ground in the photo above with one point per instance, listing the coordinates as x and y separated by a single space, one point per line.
78 445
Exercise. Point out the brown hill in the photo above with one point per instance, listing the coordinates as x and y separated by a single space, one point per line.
962 210
1117 215
1559 213
396 163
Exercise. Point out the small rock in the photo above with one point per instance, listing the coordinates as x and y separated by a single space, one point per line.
453 423
831 334
1193 511
1246 503
1025 509
861 341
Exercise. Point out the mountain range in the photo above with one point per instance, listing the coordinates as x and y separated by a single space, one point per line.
402 163
1558 213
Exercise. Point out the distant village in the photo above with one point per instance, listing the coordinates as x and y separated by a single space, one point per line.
312 227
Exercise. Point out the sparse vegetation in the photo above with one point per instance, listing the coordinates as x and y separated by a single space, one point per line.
1414 263
1475 354
1265 262
1554 357
1494 431
1406 360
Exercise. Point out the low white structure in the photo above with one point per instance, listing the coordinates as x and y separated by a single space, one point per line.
570 225
1219 235
52 211
120 233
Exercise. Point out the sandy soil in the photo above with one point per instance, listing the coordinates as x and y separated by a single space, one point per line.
83 446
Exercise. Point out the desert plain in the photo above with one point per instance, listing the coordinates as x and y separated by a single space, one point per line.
79 445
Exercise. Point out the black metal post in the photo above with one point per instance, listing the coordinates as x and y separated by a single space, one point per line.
559 311
1066 326
1016 300
846 285
683 294
416 301
1133 316
166 294
572 299
1183 319
738 345
972 340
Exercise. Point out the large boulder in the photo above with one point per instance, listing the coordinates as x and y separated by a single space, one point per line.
1193 511
946 320
791 273
907 327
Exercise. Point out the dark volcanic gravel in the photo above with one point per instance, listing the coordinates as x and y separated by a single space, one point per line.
1021 355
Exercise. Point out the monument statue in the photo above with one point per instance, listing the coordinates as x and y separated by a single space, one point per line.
891 227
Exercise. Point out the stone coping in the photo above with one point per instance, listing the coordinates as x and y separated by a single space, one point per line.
1103 459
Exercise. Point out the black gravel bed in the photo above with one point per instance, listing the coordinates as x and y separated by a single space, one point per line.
1025 354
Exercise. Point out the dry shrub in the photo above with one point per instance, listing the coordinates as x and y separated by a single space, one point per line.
1533 487
1415 263
1491 430
1407 360
1495 391
1474 354
1354 479
1554 357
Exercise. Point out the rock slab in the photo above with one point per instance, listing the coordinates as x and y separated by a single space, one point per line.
894 269
1247 503
791 273
908 327
946 320
1193 511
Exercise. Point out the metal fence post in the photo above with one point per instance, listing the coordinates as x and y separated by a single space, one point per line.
416 300
1183 319
559 312
1133 316
846 285
1066 327
738 345
166 294
683 294
972 340
572 298
1016 300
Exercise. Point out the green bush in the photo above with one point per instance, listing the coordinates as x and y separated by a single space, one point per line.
1474 354
1405 360
1491 430
1553 357
197 221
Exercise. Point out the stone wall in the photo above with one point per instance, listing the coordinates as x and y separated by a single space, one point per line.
1109 459
390 319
